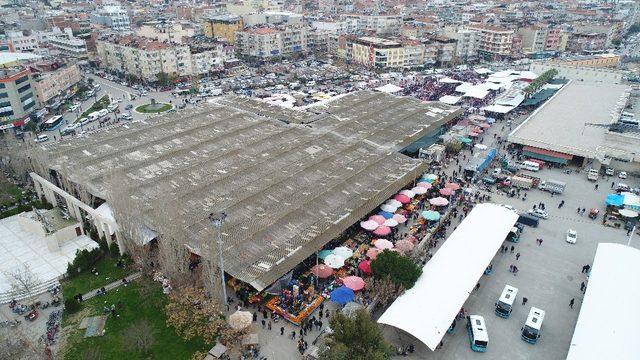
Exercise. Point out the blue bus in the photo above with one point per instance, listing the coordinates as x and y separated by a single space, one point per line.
533 325
52 123
478 336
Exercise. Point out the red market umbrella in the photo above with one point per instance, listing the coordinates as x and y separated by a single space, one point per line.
322 271
404 199
354 283
453 186
382 230
372 253
377 218
365 266
446 191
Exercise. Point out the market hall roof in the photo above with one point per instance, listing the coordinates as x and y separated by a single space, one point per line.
288 189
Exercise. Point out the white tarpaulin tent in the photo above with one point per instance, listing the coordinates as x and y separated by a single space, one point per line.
499 109
389 88
607 325
427 310
450 99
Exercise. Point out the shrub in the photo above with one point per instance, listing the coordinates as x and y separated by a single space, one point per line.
104 246
114 250
71 305
400 269
83 261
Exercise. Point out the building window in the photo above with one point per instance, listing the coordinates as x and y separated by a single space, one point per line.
4 95
24 88
28 96
21 80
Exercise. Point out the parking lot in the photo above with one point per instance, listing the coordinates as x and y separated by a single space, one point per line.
549 275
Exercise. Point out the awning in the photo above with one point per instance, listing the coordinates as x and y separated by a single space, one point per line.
499 109
547 152
427 310
449 99
389 88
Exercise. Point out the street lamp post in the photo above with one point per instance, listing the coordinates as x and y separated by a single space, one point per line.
216 220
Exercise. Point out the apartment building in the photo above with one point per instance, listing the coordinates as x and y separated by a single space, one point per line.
587 42
161 31
270 42
146 58
222 27
467 42
22 41
114 17
17 100
494 42
66 43
51 80
63 21
539 39
379 24
382 53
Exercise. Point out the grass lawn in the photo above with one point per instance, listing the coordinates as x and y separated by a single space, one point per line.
167 344
102 103
143 109
107 271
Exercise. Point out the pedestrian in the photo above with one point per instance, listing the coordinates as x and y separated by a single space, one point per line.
269 326
571 303
578 210
583 210
511 268
264 313
582 286
264 323
301 332
326 313
512 248
540 243
281 331
515 270
628 232
613 184
477 286
596 186
517 256
293 335
524 301
319 324
255 317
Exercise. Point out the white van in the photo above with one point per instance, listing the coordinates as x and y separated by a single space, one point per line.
530 165
41 138
102 113
505 303
478 335
533 325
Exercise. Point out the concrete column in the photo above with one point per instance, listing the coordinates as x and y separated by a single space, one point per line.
38 187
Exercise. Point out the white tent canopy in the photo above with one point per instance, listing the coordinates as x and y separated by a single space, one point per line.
499 109
450 99
607 325
427 310
389 88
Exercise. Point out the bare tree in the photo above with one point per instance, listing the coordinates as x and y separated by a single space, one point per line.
14 345
139 336
23 281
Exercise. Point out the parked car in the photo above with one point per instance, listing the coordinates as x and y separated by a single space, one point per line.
509 207
74 107
572 236
622 187
41 138
610 171
126 116
622 175
128 107
539 213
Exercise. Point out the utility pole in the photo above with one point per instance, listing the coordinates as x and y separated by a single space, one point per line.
216 220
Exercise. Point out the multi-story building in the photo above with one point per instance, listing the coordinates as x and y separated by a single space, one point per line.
162 31
69 21
380 24
52 80
223 27
114 17
269 42
495 42
444 49
22 41
382 53
587 42
538 39
66 43
335 6
145 59
17 100
467 43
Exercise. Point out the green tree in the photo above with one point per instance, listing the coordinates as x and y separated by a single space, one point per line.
163 79
400 269
355 337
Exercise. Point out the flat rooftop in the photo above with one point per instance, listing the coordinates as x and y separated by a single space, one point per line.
290 181
559 124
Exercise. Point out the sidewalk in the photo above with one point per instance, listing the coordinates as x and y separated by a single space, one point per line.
91 294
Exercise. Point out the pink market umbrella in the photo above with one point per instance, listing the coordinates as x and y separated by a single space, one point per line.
354 283
484 125
383 244
401 219
377 218
322 271
382 230
446 191
478 130
369 225
439 201
420 190
404 199
473 134
412 239
372 253
452 186
404 246
408 193
395 203
424 184
365 266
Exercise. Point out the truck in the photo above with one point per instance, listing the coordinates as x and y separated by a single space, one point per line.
552 186
521 182
593 175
